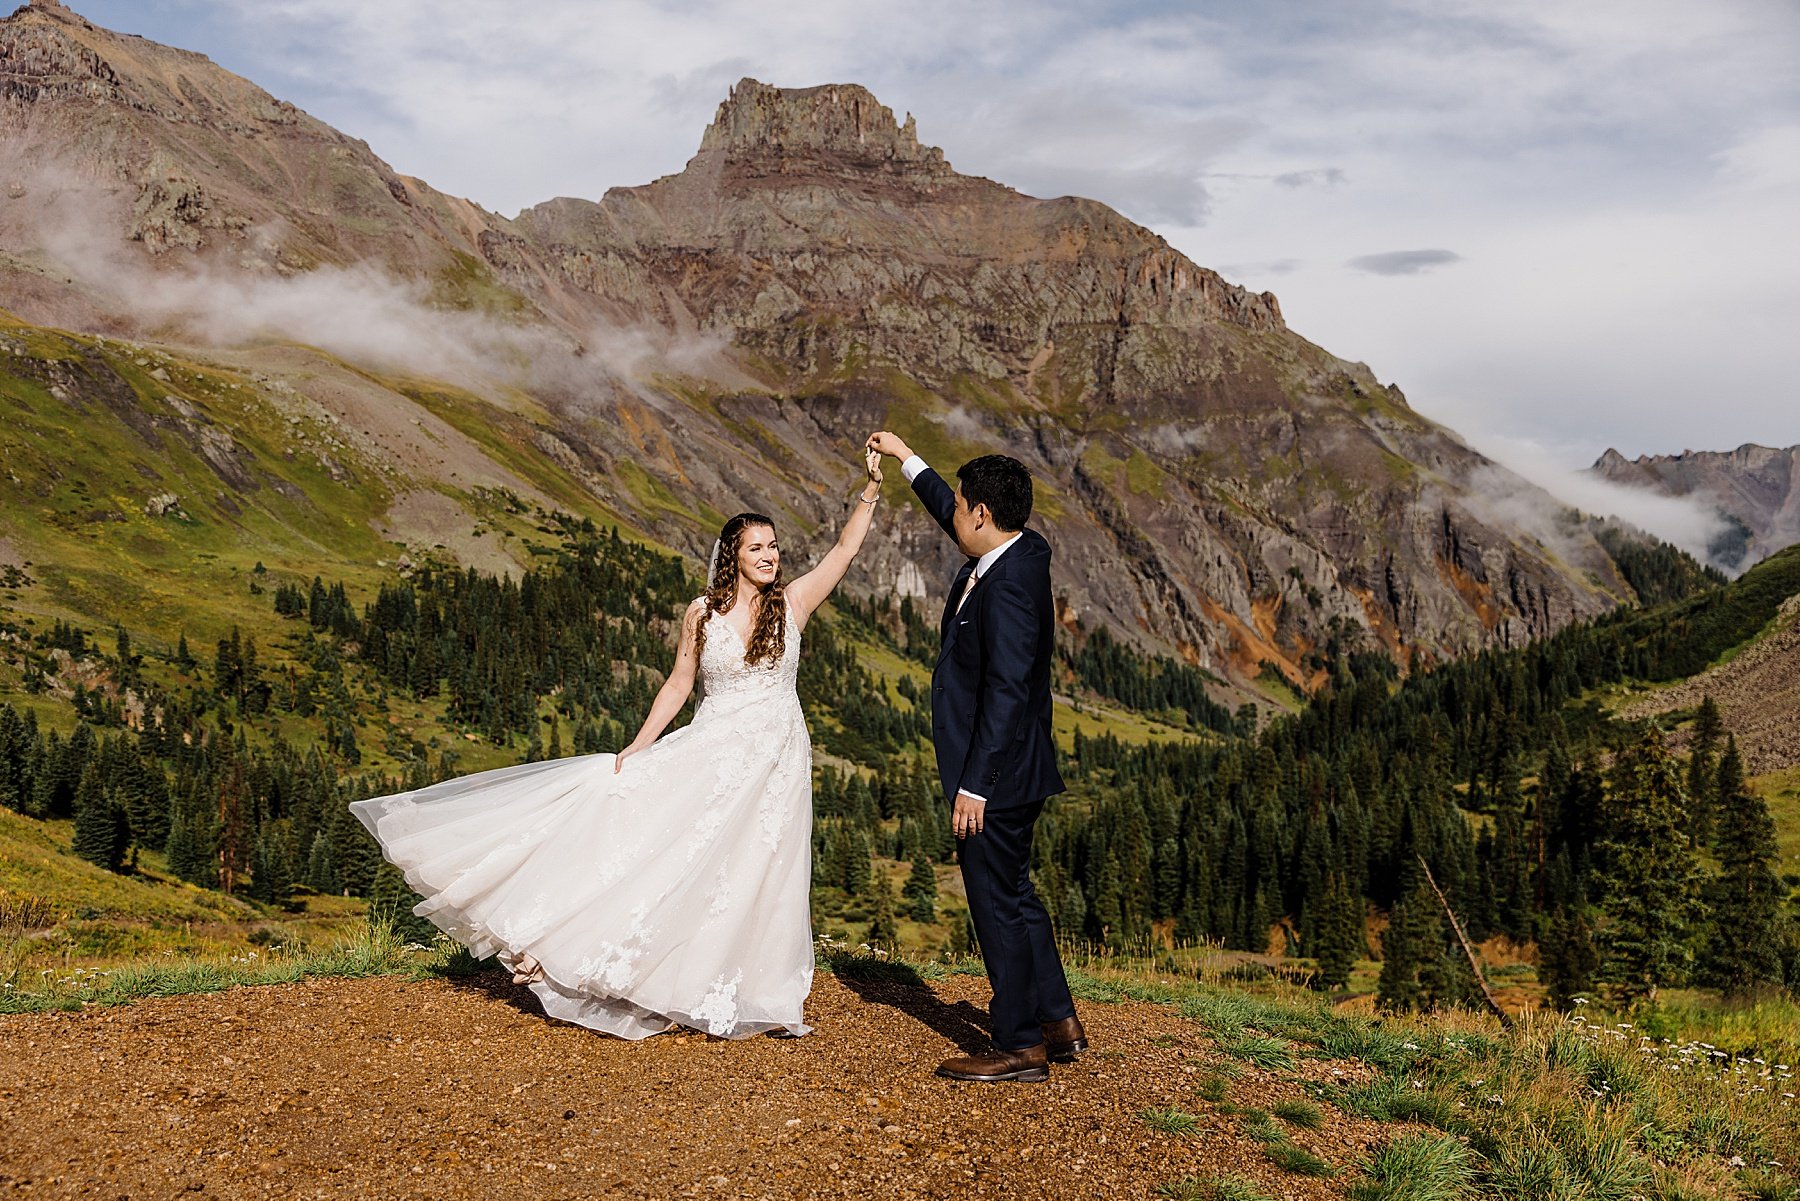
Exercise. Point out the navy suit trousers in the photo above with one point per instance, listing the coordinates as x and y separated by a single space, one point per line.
1013 928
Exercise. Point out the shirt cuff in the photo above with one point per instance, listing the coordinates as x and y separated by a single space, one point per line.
970 795
912 467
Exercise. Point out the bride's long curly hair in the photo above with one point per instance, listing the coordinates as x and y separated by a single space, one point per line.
768 634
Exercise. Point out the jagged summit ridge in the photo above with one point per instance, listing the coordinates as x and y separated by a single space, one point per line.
1756 487
836 118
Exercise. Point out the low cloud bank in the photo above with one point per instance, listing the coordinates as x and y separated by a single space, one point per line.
361 313
1681 521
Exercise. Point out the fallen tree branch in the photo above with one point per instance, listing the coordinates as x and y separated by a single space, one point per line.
1456 926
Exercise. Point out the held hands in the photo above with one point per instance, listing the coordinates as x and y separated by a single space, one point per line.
890 444
968 815
873 463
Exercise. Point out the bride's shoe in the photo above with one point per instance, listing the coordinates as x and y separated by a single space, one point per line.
527 970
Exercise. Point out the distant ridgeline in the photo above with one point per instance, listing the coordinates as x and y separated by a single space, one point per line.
240 770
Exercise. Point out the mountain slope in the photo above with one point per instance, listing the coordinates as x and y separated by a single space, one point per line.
1757 691
1756 488
725 337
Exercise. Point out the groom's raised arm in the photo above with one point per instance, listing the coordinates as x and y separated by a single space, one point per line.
937 497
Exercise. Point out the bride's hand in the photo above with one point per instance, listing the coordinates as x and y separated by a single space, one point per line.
619 759
874 465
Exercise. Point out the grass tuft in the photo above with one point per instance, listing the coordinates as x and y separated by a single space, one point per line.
1769 1186
372 951
1395 1099
1264 1051
1291 1157
1212 1088
1262 1128
1169 1121
1218 1188
1303 1114
1365 1041
1416 1167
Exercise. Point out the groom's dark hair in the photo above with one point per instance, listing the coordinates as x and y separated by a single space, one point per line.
1002 484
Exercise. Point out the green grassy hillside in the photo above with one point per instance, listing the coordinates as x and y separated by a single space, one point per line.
145 488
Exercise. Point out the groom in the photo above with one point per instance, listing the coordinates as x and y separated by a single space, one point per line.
990 720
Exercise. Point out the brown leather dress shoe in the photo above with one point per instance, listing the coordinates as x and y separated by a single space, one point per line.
1065 1039
1030 1064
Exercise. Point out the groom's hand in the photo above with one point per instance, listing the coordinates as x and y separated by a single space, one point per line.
890 444
966 816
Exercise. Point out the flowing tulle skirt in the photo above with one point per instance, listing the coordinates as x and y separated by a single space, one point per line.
674 892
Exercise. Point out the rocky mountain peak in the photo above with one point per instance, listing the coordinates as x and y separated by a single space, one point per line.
757 120
44 55
49 8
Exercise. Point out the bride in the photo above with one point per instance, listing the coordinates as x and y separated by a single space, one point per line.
666 885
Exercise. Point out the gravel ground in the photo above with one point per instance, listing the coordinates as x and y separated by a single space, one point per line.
459 1089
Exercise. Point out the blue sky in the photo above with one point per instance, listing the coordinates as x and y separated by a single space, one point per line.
1558 227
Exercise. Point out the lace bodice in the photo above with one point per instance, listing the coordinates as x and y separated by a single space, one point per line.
724 674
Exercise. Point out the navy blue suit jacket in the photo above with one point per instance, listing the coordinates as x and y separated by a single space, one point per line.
990 693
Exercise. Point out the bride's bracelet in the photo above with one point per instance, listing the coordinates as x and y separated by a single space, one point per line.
869 500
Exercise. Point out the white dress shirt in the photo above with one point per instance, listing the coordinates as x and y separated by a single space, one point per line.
911 469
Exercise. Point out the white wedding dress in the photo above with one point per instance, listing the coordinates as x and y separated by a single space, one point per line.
674 892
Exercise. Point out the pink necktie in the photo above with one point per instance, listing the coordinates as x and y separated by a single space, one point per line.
967 590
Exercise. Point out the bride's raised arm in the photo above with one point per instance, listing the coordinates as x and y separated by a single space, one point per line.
810 590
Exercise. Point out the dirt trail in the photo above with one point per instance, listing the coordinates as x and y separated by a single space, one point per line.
385 1088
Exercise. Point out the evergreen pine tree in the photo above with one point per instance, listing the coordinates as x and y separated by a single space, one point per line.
1511 857
857 873
859 802
1339 937
884 931
828 795
1702 783
190 851
1412 936
391 903
236 839
1747 922
1567 958
321 871
963 944
1649 880
828 856
921 891
101 834
272 878
1420 967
